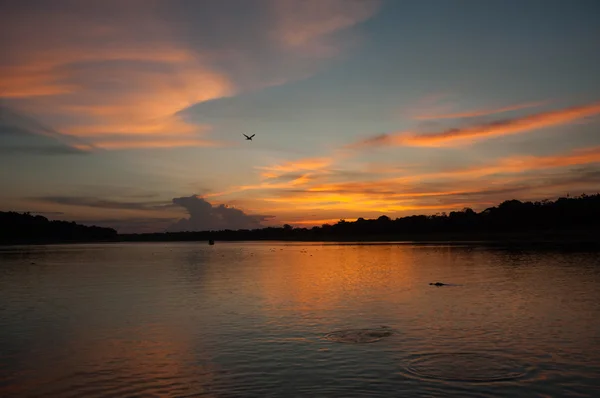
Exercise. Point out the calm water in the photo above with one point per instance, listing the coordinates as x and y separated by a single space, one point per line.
279 320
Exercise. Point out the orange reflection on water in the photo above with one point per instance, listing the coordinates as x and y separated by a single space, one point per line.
323 278
149 360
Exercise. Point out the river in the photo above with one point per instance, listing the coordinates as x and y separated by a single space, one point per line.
282 319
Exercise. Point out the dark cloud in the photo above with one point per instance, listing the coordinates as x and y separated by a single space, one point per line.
41 213
105 203
131 225
22 134
147 195
376 140
41 150
575 182
287 177
204 216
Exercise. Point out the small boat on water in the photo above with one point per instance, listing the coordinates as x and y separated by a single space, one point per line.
211 242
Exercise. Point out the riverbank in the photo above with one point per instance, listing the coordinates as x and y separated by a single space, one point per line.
570 238
577 239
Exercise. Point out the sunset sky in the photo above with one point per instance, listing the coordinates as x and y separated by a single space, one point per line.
130 114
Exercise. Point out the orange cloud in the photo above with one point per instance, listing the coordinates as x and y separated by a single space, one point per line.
318 187
416 200
472 133
309 223
483 112
266 186
356 203
578 156
308 164
133 72
146 104
167 127
21 83
523 164
511 165
413 192
499 128
284 175
96 79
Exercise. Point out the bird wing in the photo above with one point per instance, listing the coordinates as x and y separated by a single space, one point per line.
252 135
245 135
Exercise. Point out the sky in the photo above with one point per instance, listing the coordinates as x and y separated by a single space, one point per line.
130 114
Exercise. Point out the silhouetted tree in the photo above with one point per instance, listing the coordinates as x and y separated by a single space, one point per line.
25 228
510 218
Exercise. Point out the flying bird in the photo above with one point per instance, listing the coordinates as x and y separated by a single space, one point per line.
248 138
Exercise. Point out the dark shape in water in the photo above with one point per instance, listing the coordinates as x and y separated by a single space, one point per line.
211 242
438 284
359 335
466 367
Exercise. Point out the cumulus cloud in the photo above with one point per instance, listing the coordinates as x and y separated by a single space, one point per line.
136 216
203 216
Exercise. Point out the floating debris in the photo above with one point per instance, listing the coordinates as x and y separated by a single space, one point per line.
358 336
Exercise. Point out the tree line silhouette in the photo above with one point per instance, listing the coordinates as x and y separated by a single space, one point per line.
565 218
27 228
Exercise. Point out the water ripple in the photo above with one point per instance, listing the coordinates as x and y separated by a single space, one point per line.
189 320
466 367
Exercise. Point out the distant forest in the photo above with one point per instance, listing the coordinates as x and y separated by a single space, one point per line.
567 218
573 219
18 228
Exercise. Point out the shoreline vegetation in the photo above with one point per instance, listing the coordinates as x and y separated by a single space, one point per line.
567 221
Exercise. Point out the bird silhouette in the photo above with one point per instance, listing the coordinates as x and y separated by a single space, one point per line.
248 138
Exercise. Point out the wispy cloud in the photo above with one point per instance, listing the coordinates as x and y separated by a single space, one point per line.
414 191
96 78
25 135
130 224
131 68
469 134
83 201
283 175
146 143
482 112
314 176
41 150
510 165
330 197
308 26
301 165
